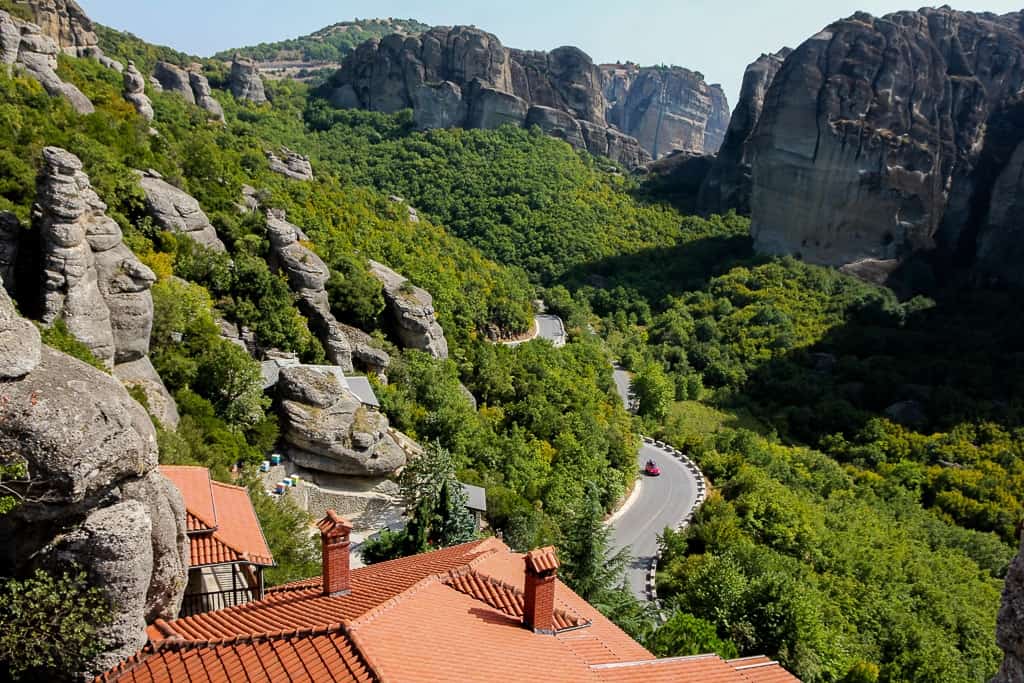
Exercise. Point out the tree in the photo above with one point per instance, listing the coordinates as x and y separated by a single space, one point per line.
230 378
454 522
684 634
49 625
588 564
654 391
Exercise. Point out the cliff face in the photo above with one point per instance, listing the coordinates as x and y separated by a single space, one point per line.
1010 624
463 76
666 109
64 22
728 185
873 127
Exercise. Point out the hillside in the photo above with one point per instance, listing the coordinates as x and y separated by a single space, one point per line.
863 452
322 49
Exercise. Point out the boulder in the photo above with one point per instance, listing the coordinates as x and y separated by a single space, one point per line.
20 344
873 132
203 94
95 496
177 211
159 402
412 309
290 164
329 430
464 77
135 92
666 109
36 54
66 24
175 80
245 81
907 413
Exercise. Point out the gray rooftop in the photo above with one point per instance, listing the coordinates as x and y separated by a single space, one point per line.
476 497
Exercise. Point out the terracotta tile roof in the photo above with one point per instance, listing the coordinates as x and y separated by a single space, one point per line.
450 615
221 522
760 669
197 490
299 657
542 559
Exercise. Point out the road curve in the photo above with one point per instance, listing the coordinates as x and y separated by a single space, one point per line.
663 501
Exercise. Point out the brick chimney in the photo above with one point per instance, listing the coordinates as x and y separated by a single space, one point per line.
334 533
539 602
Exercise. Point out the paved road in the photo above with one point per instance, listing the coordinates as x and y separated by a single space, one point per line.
662 502
550 327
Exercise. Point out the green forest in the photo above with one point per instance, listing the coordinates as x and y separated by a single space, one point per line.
864 452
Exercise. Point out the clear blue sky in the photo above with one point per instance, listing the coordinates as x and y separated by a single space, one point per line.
716 37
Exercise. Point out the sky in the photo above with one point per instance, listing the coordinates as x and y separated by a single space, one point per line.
716 37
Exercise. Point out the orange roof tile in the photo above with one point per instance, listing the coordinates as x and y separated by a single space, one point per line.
542 559
312 657
760 669
221 521
197 491
450 615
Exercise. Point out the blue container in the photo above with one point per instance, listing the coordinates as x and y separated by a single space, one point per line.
265 466
275 459
280 488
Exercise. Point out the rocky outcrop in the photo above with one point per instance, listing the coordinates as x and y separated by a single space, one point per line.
158 401
66 24
328 429
308 275
1010 624
24 46
94 495
91 280
412 309
464 76
728 184
10 239
246 83
290 164
873 131
189 84
203 93
667 109
135 92
176 211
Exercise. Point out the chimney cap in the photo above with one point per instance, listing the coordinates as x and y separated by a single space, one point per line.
334 525
542 560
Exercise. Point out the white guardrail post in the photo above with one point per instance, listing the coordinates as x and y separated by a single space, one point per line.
652 570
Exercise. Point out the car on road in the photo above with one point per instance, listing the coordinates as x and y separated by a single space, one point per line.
651 469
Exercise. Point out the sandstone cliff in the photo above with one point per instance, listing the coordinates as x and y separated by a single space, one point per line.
66 24
464 76
728 185
95 496
871 136
1010 624
412 311
667 109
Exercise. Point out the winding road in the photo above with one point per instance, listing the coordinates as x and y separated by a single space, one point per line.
659 502
662 501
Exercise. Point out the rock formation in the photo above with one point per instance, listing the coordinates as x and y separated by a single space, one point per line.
91 280
24 46
412 309
95 495
66 24
246 83
203 93
728 184
159 402
329 430
1010 624
463 76
290 164
135 92
176 211
190 84
666 109
873 133
10 238
308 275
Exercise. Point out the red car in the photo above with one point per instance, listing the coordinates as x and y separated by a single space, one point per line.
651 469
